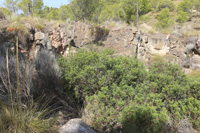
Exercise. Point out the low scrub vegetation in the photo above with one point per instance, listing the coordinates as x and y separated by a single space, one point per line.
112 90
116 89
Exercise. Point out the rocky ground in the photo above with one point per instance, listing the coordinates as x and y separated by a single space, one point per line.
124 40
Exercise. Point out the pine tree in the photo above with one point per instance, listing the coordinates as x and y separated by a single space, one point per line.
11 5
83 9
31 6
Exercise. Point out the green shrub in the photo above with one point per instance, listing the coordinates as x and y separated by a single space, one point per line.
164 19
143 119
87 72
185 6
165 4
166 96
182 17
118 89
179 93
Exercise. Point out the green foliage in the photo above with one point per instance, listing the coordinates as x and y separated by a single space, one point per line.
143 119
5 11
83 9
182 17
165 19
166 94
145 7
118 89
185 6
129 12
24 6
154 3
64 12
110 10
165 4
87 72
37 6
11 5
197 5
31 7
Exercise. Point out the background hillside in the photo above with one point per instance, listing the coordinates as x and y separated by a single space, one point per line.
165 16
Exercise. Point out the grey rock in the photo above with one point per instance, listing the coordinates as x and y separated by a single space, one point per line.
76 126
46 42
198 42
193 39
39 36
189 48
185 127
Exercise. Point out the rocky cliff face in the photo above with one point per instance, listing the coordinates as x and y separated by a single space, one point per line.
125 40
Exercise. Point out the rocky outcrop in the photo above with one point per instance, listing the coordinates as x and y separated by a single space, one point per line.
76 126
124 40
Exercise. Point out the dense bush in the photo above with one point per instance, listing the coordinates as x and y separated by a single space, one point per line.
182 17
185 6
118 89
165 19
165 4
87 72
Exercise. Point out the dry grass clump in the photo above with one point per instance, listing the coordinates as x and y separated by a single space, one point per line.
157 58
17 27
30 119
194 74
19 113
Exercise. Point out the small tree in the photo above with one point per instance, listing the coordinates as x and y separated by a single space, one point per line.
134 8
165 4
82 9
4 11
31 6
185 6
164 19
26 6
37 6
11 5
182 17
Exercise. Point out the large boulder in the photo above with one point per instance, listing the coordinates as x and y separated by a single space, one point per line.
76 126
195 62
185 127
190 48
39 36
192 39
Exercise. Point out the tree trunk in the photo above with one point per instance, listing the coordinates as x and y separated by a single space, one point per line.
29 9
137 15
